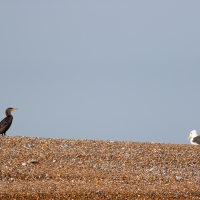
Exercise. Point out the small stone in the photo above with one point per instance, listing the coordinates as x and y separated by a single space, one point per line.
179 178
151 169
33 161
163 171
96 166
23 164
198 180
127 155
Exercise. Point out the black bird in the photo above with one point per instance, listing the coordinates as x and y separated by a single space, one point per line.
7 121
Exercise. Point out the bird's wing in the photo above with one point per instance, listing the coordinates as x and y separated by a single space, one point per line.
196 139
5 124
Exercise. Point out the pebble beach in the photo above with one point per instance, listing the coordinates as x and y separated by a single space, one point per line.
48 168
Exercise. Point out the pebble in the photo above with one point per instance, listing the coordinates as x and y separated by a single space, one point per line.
179 178
33 161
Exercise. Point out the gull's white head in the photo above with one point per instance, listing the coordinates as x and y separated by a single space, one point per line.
192 134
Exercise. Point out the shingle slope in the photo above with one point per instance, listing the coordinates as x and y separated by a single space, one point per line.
44 168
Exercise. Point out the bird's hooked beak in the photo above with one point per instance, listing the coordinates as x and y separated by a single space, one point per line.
14 109
189 137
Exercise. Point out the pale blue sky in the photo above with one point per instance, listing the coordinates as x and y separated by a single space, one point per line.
111 70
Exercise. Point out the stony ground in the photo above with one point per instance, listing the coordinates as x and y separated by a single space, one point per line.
42 168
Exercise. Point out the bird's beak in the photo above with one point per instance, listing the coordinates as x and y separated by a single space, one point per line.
14 109
189 137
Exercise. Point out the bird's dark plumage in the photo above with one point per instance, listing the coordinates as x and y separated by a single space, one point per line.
7 121
196 139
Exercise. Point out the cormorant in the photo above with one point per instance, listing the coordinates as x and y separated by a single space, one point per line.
7 121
